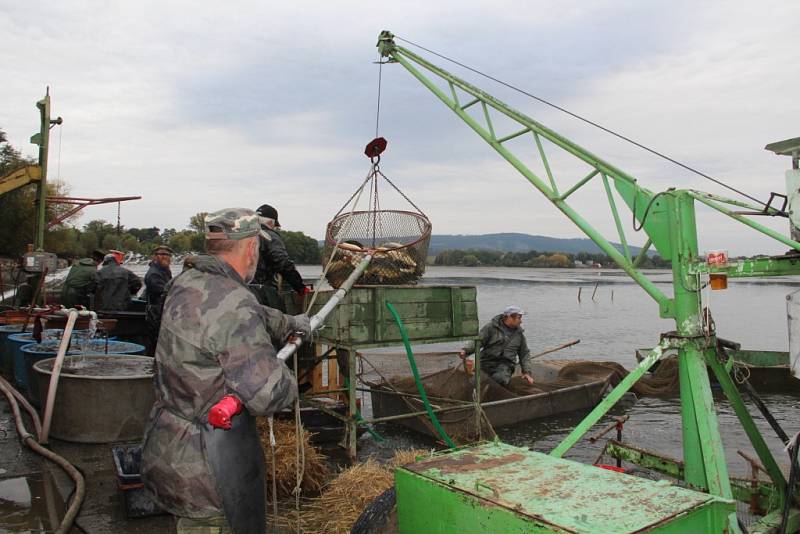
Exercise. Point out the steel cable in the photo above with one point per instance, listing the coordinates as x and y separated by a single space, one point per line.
585 120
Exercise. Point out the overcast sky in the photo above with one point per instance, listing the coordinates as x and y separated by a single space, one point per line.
197 106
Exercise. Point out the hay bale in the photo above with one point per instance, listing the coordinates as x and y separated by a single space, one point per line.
345 498
409 456
315 472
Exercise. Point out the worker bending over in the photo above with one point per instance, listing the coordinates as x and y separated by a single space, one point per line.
216 341
81 281
502 343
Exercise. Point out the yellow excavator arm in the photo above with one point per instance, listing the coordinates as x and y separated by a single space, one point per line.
20 178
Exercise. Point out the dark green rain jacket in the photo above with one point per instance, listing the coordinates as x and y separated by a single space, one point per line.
80 283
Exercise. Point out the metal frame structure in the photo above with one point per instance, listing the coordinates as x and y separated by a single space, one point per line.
668 219
80 203
352 419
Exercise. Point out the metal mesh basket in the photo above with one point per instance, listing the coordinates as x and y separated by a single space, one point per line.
398 241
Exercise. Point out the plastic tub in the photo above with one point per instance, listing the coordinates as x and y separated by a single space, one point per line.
6 359
31 353
100 398
12 346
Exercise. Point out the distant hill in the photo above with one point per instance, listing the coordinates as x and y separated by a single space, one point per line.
515 242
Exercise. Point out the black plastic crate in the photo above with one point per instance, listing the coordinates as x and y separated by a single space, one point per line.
138 503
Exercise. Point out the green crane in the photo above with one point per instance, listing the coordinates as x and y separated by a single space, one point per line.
668 219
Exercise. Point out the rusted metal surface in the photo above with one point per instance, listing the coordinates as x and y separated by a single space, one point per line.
562 495
79 204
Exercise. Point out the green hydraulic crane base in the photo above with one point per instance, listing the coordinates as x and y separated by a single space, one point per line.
668 219
478 490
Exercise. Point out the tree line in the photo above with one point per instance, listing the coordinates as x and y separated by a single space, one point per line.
533 258
18 215
76 242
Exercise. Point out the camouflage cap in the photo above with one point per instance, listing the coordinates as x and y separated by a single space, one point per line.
232 223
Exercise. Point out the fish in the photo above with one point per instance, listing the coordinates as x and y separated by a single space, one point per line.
392 264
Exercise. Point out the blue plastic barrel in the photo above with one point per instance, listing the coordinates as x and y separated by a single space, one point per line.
13 348
33 352
6 360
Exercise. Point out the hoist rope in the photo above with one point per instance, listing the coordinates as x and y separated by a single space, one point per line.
60 137
300 451
348 222
378 106
272 444
587 121
399 191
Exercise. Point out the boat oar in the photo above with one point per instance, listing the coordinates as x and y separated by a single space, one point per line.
564 346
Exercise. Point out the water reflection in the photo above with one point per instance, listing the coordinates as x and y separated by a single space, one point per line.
30 503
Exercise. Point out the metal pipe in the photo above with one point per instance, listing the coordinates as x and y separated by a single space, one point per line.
411 395
51 391
316 321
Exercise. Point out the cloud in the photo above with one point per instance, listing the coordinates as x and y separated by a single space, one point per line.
199 105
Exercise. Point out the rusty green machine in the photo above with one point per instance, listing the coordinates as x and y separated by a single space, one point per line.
479 483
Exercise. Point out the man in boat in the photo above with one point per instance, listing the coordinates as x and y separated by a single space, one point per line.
274 260
115 284
158 274
81 281
502 344
216 345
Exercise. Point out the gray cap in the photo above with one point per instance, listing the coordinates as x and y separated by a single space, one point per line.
514 310
232 223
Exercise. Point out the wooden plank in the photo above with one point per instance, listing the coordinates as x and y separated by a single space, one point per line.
456 309
379 296
428 312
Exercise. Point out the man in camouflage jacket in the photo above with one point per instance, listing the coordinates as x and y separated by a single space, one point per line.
215 340
502 343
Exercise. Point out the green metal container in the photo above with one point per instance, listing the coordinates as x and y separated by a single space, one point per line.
430 314
494 487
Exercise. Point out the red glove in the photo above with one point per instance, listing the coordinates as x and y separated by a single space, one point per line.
307 290
219 416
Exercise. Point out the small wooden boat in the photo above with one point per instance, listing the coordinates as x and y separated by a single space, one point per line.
386 402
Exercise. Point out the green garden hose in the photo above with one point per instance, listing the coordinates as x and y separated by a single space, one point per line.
414 370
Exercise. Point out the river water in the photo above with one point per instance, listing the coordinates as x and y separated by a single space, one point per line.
611 326
612 321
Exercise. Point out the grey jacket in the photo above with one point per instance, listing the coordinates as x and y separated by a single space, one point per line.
501 345
115 286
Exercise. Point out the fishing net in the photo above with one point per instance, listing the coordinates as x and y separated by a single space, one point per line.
451 386
397 239
661 382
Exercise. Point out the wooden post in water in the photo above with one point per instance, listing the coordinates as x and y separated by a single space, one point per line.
595 290
579 293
